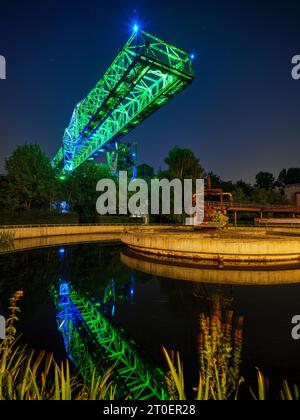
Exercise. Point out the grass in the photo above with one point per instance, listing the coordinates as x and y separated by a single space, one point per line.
290 394
175 378
220 349
287 393
30 375
263 387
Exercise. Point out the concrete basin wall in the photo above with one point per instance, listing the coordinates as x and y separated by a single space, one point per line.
42 231
24 232
26 244
230 246
155 267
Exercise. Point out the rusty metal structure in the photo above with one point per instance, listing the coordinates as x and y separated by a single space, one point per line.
211 207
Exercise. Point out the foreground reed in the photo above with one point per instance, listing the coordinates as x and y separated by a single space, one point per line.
287 393
220 349
28 375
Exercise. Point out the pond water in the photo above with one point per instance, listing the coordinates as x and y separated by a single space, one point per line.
156 311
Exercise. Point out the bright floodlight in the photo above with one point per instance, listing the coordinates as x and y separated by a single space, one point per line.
135 28
192 56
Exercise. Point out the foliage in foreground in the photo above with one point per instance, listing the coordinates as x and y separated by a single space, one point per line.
219 220
220 348
27 375
287 393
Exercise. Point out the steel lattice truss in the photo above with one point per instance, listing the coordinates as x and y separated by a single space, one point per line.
144 76
94 340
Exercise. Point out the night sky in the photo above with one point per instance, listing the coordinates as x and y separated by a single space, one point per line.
240 115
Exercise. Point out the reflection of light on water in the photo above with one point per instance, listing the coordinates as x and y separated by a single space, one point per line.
6 248
132 287
61 251
62 324
64 289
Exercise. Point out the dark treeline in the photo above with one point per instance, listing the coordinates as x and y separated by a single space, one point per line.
31 185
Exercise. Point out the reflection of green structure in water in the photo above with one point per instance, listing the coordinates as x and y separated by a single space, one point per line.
94 340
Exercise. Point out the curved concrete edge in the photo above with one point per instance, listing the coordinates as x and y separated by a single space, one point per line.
211 275
45 231
27 244
203 246
221 257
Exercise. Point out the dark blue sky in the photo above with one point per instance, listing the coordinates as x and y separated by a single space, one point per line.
240 115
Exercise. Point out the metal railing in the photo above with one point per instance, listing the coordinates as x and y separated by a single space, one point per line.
256 205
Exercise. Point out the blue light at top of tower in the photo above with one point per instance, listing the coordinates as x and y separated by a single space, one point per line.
136 28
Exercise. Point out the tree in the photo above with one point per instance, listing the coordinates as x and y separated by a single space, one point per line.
183 164
217 182
290 176
30 178
239 195
80 187
263 196
246 188
145 171
3 191
282 178
265 180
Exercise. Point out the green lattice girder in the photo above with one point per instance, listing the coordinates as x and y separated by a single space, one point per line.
93 339
145 75
81 346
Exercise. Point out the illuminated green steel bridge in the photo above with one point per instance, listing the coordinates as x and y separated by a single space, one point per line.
95 342
144 76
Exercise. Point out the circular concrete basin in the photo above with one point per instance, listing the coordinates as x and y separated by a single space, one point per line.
180 270
235 246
